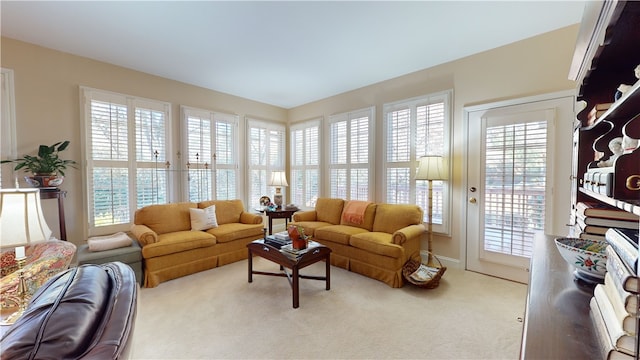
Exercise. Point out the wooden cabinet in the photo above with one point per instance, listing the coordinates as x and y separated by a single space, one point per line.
606 55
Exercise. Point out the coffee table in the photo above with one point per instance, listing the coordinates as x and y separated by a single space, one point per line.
311 256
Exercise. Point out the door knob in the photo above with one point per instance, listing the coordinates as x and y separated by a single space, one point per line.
473 200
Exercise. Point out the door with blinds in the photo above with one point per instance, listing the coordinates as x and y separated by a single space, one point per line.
514 159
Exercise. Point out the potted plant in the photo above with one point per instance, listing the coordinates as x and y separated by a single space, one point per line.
47 167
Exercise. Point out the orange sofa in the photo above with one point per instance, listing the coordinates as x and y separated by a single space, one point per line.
171 249
377 245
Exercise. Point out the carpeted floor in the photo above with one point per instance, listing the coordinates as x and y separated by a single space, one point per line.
217 314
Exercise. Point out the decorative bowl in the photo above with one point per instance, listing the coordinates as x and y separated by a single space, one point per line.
587 256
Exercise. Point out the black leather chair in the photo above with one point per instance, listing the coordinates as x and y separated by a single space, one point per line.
87 312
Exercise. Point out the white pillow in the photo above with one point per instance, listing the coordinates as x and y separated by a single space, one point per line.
203 219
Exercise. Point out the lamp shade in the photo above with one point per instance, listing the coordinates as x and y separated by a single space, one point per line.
21 218
431 167
278 178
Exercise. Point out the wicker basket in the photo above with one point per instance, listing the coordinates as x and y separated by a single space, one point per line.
431 261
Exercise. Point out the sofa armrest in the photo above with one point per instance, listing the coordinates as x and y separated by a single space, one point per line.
249 218
309 215
412 231
144 234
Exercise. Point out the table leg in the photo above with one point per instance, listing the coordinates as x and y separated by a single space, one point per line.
250 264
328 272
270 225
296 287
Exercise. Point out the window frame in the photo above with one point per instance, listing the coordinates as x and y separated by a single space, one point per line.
348 166
277 164
215 118
414 154
301 148
131 164
8 139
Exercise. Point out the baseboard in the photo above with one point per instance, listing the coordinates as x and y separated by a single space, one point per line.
446 261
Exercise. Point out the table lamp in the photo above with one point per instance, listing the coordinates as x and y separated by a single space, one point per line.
278 179
22 223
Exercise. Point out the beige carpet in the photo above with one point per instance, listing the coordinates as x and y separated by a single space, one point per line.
217 314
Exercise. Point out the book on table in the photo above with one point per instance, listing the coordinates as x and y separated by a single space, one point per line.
607 350
621 317
621 340
593 209
622 276
283 235
625 243
589 229
606 222
623 299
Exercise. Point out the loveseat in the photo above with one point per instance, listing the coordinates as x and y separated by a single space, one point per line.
171 249
86 312
375 240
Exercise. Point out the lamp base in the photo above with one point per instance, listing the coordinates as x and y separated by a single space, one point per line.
277 199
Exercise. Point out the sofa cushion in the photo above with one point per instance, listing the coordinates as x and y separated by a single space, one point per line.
329 210
392 217
227 211
367 222
177 242
165 218
230 232
377 243
310 227
337 233
203 219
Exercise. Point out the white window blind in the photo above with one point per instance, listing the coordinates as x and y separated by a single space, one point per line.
7 128
350 165
211 154
414 128
126 146
515 162
305 163
266 154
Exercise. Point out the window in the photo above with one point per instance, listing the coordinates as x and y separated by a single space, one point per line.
7 128
305 163
350 165
266 153
414 128
210 150
126 148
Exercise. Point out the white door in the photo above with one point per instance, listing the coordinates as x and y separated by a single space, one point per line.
517 155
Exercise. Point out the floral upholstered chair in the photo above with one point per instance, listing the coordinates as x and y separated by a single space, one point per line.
43 261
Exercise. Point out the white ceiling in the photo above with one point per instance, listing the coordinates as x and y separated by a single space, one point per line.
281 53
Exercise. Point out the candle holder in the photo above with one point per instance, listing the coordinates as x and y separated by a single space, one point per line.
22 292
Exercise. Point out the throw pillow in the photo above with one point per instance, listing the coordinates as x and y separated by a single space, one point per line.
203 219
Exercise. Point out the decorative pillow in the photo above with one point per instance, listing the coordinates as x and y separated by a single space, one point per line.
203 219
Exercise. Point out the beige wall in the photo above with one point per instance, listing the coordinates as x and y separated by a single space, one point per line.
47 109
47 96
533 66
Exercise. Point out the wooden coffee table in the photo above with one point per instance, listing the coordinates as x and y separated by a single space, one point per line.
312 256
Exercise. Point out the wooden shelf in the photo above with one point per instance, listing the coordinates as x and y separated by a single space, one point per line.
629 205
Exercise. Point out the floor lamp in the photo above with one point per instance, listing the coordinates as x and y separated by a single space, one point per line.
431 168
21 224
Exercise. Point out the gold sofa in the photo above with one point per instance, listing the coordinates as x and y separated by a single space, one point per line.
170 249
377 247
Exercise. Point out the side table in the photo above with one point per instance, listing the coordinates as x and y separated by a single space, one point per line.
60 195
278 214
